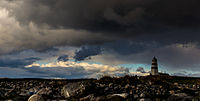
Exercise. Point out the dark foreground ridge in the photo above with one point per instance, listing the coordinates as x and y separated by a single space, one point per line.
128 88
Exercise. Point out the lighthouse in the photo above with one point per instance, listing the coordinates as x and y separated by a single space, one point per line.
154 67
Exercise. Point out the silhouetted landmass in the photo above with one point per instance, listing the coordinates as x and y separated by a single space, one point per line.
127 88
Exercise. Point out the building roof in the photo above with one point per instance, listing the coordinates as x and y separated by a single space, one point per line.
154 59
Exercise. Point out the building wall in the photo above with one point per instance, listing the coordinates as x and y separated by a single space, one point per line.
154 72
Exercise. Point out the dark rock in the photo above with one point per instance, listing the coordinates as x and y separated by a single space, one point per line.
78 89
179 97
145 99
142 95
88 98
44 91
110 98
115 98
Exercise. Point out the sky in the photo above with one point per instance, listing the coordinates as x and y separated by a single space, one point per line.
92 38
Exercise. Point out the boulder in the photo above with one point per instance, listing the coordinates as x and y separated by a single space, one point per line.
142 95
87 98
127 86
110 85
36 97
77 89
109 98
180 97
44 91
124 95
2 93
114 98
145 99
135 96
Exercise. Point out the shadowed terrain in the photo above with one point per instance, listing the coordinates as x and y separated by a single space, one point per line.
127 88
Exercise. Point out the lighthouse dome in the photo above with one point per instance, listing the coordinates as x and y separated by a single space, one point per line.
154 59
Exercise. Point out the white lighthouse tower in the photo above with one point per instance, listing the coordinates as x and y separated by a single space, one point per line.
154 67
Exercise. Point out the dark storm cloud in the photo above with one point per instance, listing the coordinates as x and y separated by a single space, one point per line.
63 58
125 47
17 62
185 73
87 52
58 72
161 21
140 69
125 17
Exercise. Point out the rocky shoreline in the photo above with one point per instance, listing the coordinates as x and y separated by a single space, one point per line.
128 88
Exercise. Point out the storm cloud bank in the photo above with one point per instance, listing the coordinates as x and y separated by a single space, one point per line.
103 15
47 23
109 31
